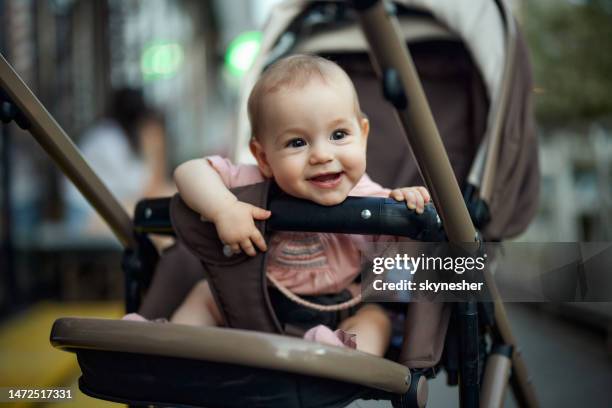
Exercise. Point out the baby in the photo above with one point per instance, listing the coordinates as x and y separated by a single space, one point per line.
309 135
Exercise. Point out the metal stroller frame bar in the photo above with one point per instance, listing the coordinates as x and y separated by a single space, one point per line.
404 90
391 58
52 138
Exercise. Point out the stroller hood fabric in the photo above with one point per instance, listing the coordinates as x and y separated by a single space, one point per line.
514 201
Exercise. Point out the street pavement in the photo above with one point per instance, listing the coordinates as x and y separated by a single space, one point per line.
569 364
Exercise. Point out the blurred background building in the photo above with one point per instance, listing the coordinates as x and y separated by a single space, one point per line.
567 40
187 55
73 55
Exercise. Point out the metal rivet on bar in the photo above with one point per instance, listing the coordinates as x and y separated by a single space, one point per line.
148 212
366 214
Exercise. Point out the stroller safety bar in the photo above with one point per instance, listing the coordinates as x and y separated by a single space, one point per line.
232 346
152 216
356 215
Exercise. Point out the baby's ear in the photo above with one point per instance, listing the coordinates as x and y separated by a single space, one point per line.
364 124
260 155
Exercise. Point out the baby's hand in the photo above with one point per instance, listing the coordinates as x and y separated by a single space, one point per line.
416 197
237 229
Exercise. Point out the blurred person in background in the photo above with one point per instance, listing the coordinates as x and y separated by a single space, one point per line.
127 150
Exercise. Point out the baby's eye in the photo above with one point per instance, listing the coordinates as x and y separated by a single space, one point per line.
338 134
295 143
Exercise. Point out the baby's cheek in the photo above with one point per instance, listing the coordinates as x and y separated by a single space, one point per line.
285 170
288 182
358 165
282 181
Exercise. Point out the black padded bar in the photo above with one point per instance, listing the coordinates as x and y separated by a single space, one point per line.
356 215
386 216
152 216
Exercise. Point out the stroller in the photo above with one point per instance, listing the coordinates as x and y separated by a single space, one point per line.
482 111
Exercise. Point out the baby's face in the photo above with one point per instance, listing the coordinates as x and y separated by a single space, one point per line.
312 141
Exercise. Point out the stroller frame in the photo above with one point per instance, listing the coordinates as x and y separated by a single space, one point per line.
392 60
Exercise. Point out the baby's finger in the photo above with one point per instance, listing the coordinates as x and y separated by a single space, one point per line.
260 213
247 247
425 193
235 248
410 199
420 203
397 195
259 241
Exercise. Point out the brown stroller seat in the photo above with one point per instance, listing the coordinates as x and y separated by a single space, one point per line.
165 364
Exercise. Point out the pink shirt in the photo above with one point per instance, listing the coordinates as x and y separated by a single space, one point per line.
307 262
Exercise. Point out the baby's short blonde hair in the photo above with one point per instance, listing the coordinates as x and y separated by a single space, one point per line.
293 72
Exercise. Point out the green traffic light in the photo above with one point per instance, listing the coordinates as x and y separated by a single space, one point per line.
161 60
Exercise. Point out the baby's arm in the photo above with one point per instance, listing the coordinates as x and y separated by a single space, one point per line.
203 190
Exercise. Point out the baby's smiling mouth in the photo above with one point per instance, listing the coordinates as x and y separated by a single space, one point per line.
327 180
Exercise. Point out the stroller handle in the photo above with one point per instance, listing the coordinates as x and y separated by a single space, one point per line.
356 215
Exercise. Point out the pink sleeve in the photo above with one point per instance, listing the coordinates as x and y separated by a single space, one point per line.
235 175
367 188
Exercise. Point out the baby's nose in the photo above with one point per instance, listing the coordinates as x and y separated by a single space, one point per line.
319 154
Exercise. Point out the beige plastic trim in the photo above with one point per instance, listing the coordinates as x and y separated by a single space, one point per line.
422 392
52 138
231 346
497 373
521 383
